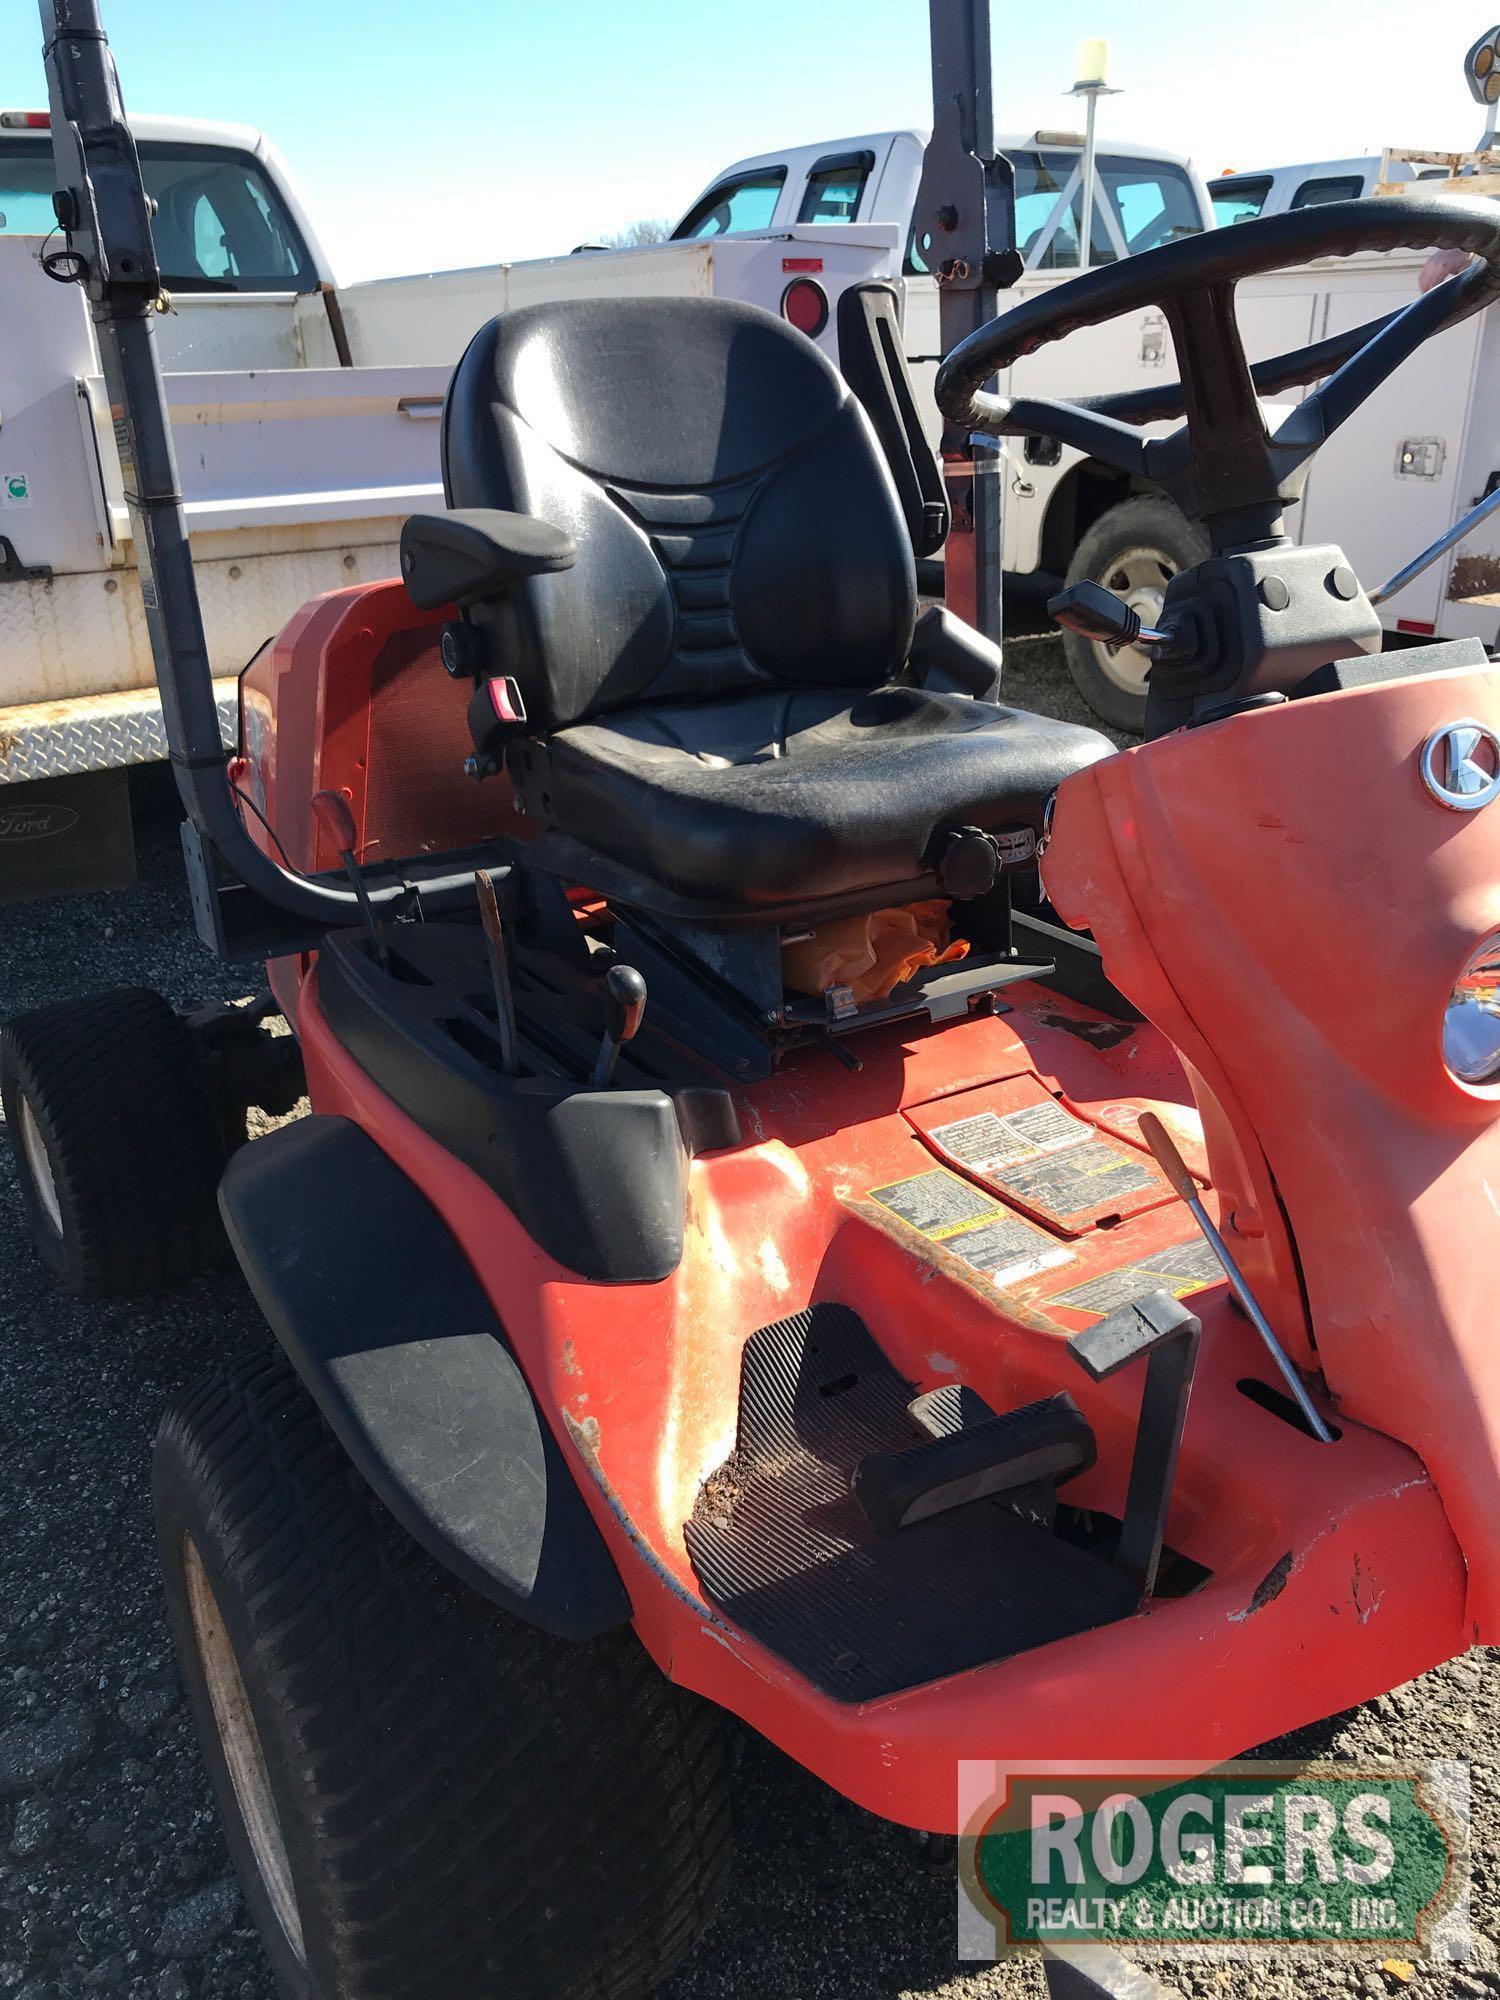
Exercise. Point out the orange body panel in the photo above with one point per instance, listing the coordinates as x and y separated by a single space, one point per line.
1289 904
1335 1574
352 696
1289 909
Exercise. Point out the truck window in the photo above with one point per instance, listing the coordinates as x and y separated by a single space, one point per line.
1153 200
1239 199
748 203
220 225
1040 179
1138 204
1335 187
835 187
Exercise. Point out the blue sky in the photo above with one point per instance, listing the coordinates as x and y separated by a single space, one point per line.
461 131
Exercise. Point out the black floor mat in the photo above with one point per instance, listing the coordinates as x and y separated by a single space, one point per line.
781 1545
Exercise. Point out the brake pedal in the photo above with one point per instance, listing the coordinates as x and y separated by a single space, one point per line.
1041 1444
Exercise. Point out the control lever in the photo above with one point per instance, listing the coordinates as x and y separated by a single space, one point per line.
331 811
625 1009
1096 613
1174 1167
494 945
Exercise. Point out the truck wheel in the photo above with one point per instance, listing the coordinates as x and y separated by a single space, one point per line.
1133 549
116 1146
424 1797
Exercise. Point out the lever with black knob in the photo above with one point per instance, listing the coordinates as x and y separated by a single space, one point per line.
1096 613
625 1009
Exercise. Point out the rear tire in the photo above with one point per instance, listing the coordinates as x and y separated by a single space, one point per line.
116 1146
1133 549
449 1802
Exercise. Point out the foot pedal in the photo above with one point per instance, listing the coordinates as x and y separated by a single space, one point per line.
954 1407
1042 1443
782 1547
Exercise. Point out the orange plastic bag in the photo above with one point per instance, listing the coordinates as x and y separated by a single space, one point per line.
872 954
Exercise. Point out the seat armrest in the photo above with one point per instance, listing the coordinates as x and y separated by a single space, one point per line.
950 657
474 553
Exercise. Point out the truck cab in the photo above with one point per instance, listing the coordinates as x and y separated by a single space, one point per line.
227 217
1143 196
1238 196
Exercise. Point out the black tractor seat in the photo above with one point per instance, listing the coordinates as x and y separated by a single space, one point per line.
688 600
795 795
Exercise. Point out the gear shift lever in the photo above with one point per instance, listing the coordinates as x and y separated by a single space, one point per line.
625 1008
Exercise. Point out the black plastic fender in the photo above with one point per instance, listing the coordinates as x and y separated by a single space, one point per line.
385 1322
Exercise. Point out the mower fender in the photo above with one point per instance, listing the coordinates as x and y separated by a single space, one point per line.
386 1324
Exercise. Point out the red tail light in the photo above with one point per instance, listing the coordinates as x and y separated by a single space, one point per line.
804 305
26 121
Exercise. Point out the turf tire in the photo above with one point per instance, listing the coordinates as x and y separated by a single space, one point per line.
465 1805
115 1141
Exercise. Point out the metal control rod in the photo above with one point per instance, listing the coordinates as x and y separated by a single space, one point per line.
105 212
1464 525
1174 1167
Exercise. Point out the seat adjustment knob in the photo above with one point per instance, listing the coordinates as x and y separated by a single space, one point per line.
968 863
461 650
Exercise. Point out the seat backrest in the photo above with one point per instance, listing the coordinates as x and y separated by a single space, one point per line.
736 523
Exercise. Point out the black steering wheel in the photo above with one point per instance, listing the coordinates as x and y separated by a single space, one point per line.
1221 466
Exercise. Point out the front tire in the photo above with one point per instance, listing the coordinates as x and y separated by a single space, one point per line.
1134 549
117 1149
425 1798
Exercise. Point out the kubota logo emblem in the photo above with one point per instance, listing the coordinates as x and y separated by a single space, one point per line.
35 822
1461 765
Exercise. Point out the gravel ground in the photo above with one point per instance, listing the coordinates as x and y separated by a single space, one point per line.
113 1877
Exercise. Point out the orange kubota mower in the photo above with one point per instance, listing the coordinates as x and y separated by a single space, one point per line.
1055 1321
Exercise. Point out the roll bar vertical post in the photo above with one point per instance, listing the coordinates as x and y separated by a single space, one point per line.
965 230
105 214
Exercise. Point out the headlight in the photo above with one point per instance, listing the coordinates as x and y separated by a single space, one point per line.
1471 1020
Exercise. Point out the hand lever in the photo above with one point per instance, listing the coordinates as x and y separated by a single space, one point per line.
494 944
1174 1167
331 811
1096 613
625 1009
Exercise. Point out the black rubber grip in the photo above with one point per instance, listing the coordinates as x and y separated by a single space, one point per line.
1048 1440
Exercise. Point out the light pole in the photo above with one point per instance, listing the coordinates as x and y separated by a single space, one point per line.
1092 84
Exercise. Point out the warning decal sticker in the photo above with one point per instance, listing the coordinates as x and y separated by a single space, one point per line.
1184 1268
988 1140
936 1202
1042 1157
972 1225
1071 1183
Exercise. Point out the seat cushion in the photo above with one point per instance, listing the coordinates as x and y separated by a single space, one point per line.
780 797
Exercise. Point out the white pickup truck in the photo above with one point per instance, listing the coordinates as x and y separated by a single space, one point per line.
305 412
1426 447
